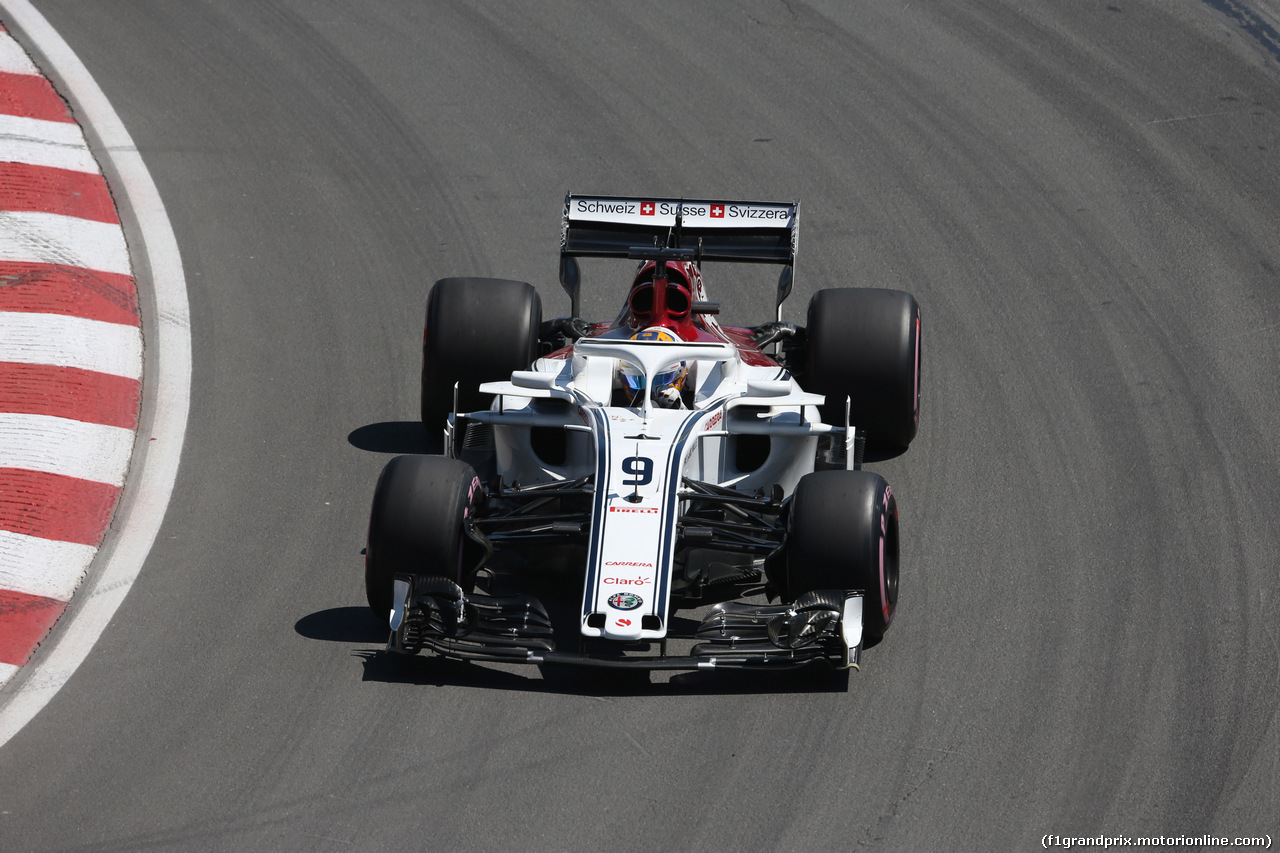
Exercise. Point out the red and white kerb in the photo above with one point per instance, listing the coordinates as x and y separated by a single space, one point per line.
70 356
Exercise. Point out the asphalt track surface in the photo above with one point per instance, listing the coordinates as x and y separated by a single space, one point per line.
1084 197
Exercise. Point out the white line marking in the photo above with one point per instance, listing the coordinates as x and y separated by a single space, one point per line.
42 566
168 383
66 447
13 59
62 341
55 144
52 238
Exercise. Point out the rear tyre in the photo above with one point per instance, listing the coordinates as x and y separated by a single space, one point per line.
842 534
416 525
476 330
864 344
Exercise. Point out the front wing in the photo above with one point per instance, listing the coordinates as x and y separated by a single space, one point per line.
434 614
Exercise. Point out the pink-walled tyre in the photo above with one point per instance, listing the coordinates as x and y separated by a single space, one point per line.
864 344
842 534
476 330
416 525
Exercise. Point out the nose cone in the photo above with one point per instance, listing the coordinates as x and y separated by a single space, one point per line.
622 626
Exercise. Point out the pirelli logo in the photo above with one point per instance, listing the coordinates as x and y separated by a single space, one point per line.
640 509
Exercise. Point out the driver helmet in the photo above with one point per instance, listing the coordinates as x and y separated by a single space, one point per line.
668 382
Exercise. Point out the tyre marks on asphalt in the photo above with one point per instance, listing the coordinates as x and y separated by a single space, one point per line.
70 356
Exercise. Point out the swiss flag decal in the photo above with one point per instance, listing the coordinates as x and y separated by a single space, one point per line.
717 211
646 208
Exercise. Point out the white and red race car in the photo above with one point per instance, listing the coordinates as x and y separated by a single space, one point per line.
635 493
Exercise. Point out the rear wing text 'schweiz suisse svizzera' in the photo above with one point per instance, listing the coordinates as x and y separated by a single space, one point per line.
699 229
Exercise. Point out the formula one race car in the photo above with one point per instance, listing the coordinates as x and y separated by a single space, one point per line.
656 480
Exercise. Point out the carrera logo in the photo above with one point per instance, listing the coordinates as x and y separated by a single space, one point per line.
715 420
632 509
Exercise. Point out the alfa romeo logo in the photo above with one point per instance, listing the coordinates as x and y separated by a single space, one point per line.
625 601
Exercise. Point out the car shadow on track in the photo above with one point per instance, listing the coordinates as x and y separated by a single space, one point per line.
574 681
342 625
355 625
396 437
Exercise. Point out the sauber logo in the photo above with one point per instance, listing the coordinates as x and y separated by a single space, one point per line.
629 563
633 509
623 623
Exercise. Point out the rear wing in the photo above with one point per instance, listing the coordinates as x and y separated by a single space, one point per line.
736 231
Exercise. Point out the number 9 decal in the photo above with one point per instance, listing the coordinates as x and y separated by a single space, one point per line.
640 468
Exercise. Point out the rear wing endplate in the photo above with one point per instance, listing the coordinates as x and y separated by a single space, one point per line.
737 231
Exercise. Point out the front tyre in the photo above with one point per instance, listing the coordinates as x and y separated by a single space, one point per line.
416 526
842 534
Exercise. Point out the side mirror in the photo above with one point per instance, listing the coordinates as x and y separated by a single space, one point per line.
768 388
533 379
571 281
